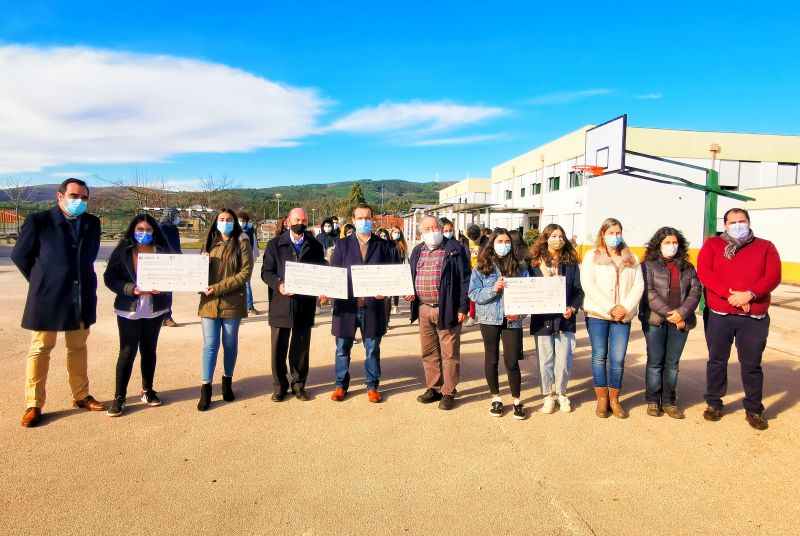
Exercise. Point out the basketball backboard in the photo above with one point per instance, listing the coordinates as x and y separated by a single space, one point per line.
605 145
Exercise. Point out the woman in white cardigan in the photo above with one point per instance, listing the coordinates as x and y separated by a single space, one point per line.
613 284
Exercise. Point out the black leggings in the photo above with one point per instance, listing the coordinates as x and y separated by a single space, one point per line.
141 335
512 342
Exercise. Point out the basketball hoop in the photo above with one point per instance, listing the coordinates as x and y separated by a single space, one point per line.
584 172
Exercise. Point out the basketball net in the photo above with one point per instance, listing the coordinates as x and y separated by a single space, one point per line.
586 172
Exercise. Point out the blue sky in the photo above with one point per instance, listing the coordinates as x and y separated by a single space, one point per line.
298 92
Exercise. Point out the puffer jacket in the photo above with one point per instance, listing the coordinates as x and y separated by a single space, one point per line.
653 308
230 296
606 286
120 278
489 307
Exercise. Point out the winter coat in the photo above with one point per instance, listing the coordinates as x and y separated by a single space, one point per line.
62 284
295 311
556 323
347 254
653 308
606 286
489 308
172 235
453 285
230 296
120 278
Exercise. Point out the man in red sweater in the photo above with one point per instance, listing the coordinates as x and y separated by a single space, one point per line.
738 272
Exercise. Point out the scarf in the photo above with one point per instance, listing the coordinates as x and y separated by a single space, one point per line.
733 245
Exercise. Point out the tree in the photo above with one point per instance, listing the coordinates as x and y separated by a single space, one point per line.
354 198
18 192
218 189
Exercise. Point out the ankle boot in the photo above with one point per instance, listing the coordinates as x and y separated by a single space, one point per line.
227 389
602 402
616 409
205 397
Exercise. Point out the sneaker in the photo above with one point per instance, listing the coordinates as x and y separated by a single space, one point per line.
712 414
563 404
549 405
374 396
519 412
447 402
116 407
318 310
496 409
673 411
430 395
149 397
253 311
395 310
469 322
653 410
756 421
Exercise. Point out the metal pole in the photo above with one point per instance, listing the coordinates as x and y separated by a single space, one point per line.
712 183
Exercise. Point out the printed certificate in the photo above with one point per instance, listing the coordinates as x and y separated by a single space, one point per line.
315 280
172 273
381 280
535 295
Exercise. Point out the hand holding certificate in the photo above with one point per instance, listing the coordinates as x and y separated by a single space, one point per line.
172 273
315 280
535 295
372 280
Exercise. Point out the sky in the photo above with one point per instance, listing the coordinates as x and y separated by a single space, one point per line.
277 93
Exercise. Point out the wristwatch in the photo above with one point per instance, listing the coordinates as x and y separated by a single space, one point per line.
752 296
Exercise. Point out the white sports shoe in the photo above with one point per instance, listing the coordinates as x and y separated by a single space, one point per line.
395 310
318 310
549 405
563 403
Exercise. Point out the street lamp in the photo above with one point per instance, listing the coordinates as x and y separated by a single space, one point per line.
313 216
278 197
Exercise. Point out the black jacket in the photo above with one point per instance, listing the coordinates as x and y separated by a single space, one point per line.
555 323
453 285
120 278
172 235
653 308
289 311
62 284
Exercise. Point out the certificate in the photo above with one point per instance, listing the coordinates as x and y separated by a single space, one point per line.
315 280
172 273
370 280
535 295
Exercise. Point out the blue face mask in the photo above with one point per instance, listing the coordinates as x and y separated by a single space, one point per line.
76 207
739 231
225 227
177 220
143 237
501 250
448 234
613 241
363 226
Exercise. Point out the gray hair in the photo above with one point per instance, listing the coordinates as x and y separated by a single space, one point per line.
437 220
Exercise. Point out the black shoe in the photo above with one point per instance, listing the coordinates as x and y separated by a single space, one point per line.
205 397
301 395
712 414
150 398
430 395
116 407
447 402
756 421
278 396
227 389
496 410
519 412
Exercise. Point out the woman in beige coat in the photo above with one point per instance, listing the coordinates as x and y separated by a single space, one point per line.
613 285
224 303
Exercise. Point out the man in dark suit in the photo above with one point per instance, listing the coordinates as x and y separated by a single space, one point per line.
291 316
55 252
361 247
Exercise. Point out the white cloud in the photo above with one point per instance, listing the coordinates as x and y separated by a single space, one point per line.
462 140
564 97
650 96
415 115
62 106
68 174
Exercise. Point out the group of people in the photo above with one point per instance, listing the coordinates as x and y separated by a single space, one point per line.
454 281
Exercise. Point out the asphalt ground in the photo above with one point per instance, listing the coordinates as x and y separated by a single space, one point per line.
253 466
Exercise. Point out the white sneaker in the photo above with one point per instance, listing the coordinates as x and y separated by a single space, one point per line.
549 405
395 310
318 310
469 322
563 404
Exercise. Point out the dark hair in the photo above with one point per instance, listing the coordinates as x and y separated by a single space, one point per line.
214 235
244 216
735 210
518 246
600 243
128 240
347 227
509 265
653 248
446 221
327 220
62 188
400 243
362 205
541 253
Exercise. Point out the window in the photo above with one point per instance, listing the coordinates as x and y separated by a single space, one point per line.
522 192
536 189
553 184
508 194
574 179
787 174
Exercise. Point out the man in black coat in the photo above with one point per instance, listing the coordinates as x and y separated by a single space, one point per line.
168 224
55 252
291 316
361 247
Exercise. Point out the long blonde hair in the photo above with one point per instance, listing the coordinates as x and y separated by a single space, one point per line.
600 243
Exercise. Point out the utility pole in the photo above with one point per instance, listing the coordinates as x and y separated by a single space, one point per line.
278 197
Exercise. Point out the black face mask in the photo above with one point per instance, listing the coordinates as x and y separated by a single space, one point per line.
299 228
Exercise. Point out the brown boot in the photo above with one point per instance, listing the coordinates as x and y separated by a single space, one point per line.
602 402
616 409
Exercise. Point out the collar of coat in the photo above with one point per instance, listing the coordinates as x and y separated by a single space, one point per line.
601 257
285 238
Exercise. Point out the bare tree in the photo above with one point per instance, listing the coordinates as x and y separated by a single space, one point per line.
141 189
217 189
18 192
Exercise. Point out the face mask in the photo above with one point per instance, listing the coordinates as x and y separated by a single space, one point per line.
384 237
143 237
335 226
348 234
225 227
501 250
739 231
669 250
395 236
363 226
327 228
613 241
176 221
432 239
555 242
448 234
76 207
299 228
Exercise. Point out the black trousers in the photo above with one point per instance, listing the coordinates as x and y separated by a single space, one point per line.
512 342
295 342
137 335
750 336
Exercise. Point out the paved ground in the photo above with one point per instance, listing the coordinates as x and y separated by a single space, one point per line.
256 467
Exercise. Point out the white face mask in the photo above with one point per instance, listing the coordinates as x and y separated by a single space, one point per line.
739 230
669 250
327 228
432 238
395 236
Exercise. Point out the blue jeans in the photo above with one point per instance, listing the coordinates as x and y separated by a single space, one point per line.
664 348
229 327
372 361
249 295
609 342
